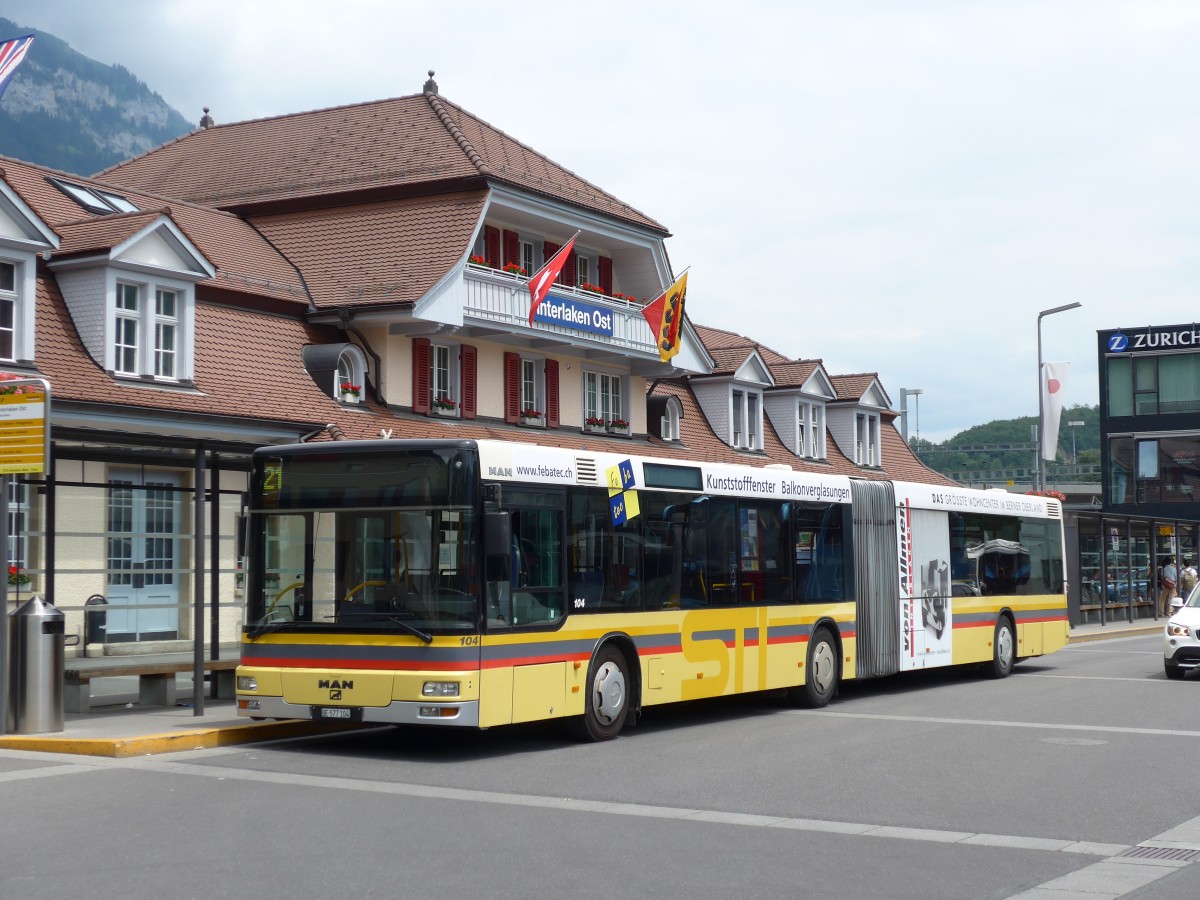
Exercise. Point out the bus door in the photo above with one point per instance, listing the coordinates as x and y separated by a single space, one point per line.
530 686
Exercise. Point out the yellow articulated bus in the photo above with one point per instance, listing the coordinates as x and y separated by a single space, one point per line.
483 583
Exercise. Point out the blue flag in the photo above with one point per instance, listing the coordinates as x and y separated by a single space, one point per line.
11 54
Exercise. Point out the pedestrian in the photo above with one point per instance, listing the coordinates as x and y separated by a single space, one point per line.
1188 577
1168 577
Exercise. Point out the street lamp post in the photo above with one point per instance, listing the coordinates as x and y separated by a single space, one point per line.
1074 456
917 392
1040 483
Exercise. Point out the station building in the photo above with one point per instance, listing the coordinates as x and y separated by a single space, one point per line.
347 273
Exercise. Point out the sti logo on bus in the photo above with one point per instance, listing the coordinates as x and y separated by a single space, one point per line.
1117 343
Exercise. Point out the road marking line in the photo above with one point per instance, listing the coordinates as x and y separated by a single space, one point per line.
1047 726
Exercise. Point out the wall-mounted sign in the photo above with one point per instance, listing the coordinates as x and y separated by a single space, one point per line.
576 314
23 433
1146 340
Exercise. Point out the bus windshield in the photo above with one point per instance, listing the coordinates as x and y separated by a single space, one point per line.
381 541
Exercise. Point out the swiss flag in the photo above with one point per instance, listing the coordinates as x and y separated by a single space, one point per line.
543 278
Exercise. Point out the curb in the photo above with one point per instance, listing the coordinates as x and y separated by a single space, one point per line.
1124 632
171 742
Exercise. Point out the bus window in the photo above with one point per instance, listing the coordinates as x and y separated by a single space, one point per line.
765 563
604 559
537 583
819 554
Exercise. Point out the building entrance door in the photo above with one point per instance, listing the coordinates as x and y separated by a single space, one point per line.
143 549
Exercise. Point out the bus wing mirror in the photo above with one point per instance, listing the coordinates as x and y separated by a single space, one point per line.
497 533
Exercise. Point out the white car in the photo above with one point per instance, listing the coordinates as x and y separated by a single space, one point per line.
1181 651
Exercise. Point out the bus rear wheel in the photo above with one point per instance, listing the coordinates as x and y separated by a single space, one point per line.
821 672
1004 649
606 703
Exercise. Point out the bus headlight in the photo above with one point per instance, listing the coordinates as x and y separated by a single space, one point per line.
247 683
440 689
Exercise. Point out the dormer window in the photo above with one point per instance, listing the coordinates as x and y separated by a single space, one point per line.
670 420
350 381
8 308
866 439
810 430
147 325
745 423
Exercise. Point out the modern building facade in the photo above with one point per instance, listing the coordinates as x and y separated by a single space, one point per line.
1150 462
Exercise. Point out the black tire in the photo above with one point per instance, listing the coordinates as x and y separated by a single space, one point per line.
821 672
606 703
1004 649
1173 671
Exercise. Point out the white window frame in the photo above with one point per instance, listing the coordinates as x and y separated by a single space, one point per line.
587 267
11 297
670 420
745 419
810 429
448 387
166 333
352 367
147 342
530 252
604 395
532 373
866 440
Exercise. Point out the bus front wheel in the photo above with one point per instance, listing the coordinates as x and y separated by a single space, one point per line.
606 703
1004 649
821 672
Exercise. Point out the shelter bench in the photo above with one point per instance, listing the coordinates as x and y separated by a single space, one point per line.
156 677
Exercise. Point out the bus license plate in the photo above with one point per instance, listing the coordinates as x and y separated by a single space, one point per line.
342 713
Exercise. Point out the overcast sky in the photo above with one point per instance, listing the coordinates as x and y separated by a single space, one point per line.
892 187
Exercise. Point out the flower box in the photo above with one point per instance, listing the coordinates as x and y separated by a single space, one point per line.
594 429
618 426
446 412
533 421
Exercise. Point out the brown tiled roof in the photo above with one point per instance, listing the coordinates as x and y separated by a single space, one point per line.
378 253
247 365
794 374
103 232
717 339
401 143
852 387
245 262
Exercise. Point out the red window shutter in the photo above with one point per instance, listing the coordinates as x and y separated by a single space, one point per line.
568 271
512 388
468 358
512 248
548 250
552 393
491 245
420 379
606 274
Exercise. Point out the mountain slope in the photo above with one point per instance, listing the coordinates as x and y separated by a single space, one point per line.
69 112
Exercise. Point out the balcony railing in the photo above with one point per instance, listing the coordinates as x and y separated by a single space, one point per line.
499 298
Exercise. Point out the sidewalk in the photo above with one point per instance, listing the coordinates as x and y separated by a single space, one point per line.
117 727
123 728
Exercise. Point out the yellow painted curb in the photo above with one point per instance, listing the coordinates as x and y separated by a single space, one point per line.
170 742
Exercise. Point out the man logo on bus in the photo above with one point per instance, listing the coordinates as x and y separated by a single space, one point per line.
334 684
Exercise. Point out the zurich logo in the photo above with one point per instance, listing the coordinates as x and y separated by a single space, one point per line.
1117 343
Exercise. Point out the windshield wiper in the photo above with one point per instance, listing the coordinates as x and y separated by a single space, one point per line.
407 626
269 628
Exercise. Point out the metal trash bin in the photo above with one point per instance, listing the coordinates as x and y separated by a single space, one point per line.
95 620
36 641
